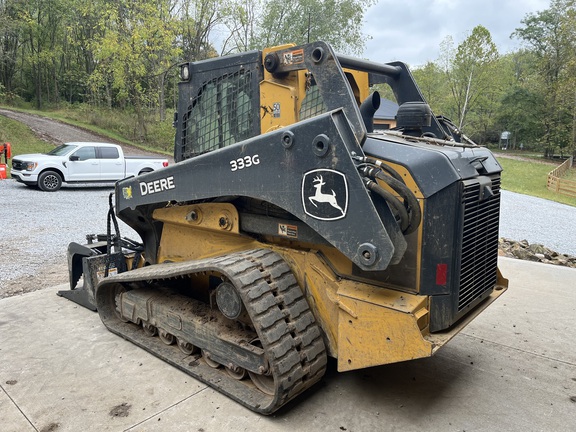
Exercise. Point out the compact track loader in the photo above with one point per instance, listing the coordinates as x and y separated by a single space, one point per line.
290 229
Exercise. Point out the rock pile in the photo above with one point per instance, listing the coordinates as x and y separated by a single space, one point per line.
534 252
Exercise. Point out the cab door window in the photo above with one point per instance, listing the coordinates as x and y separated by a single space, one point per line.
85 153
109 153
83 165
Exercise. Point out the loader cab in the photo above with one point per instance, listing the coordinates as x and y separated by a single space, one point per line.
286 85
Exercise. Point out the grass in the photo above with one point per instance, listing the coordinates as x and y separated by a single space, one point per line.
529 178
116 125
21 139
570 175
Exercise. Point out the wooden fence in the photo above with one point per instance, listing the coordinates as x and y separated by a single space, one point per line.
557 184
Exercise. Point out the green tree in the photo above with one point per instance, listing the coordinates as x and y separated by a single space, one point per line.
241 23
521 104
470 75
432 82
338 22
83 26
569 81
138 47
199 19
10 39
42 36
549 36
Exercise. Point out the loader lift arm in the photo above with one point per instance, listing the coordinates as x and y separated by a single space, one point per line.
273 180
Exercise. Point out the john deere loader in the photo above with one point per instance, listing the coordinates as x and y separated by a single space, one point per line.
292 228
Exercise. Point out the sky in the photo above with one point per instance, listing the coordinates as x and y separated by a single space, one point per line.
412 30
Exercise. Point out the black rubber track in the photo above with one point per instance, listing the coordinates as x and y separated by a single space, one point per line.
291 339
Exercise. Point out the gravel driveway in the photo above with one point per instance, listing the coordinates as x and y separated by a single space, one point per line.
37 227
537 220
50 130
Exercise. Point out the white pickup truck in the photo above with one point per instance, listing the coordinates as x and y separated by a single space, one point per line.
80 162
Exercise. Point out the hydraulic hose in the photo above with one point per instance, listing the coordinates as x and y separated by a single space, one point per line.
117 241
397 207
395 182
384 167
413 207
454 130
110 219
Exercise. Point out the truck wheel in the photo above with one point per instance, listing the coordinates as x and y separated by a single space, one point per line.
145 170
49 181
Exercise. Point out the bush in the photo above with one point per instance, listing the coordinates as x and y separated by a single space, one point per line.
161 135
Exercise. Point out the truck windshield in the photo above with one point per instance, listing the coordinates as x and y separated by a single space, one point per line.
61 150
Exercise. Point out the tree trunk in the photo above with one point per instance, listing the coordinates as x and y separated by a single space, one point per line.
162 96
108 96
38 85
466 97
574 127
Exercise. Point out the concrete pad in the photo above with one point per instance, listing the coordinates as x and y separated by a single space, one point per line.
537 313
70 373
11 416
512 369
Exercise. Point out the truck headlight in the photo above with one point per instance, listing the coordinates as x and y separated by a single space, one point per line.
30 166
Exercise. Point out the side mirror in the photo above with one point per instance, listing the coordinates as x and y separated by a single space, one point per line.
74 158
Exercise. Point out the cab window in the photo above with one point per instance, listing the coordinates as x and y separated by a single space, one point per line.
85 153
109 153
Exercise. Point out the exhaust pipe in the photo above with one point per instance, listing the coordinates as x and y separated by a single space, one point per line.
368 108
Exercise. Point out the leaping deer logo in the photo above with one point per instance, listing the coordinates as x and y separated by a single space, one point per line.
320 197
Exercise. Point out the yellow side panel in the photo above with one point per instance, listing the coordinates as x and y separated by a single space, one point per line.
377 326
359 82
277 106
200 231
182 244
363 325
213 216
321 294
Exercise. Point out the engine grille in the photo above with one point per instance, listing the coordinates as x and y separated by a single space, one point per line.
478 267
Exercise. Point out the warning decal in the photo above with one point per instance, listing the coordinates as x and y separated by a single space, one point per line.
288 230
293 57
